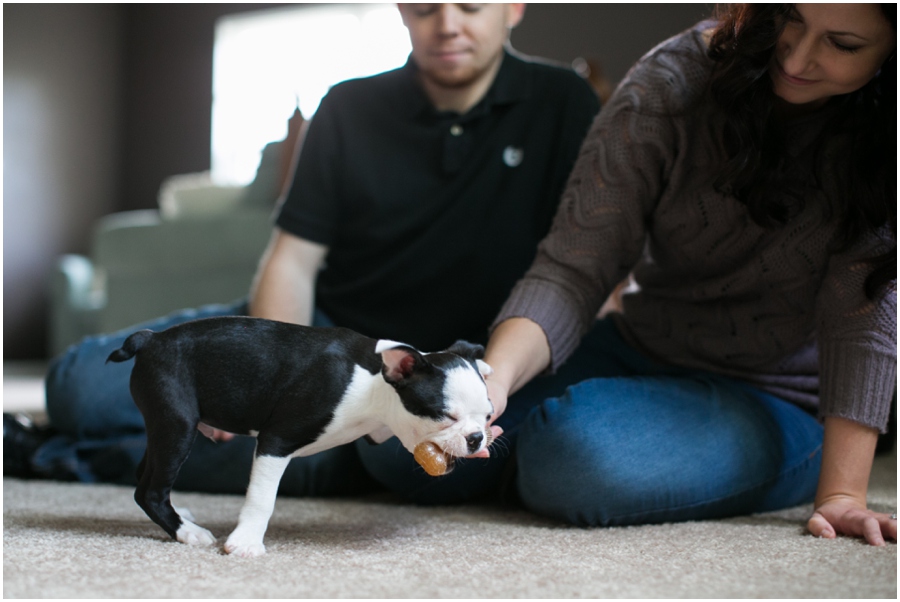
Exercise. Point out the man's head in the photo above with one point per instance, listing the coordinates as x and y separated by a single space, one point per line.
459 46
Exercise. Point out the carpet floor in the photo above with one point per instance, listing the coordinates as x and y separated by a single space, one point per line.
65 540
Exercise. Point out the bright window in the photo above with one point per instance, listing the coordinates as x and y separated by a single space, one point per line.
266 63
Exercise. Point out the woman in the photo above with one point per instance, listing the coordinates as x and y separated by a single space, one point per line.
744 173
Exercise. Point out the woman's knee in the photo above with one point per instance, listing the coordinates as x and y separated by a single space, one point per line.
601 452
637 450
569 469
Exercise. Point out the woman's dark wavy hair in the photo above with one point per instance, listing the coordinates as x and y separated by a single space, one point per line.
742 44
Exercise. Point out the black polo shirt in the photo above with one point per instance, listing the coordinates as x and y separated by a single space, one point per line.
430 218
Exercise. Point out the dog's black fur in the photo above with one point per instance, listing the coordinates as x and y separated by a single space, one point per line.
242 374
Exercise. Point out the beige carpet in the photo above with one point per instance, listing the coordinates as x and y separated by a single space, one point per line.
65 540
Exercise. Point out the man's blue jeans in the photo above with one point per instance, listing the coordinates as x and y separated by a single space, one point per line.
613 438
102 432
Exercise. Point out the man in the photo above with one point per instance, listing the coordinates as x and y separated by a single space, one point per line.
418 200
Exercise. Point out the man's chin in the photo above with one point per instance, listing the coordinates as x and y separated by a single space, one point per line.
452 78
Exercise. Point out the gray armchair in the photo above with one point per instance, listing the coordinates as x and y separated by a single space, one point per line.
202 246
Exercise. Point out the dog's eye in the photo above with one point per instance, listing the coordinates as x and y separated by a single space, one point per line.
489 417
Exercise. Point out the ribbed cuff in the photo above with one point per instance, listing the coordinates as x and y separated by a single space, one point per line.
856 382
544 304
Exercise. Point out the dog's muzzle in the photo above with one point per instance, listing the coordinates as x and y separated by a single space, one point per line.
473 441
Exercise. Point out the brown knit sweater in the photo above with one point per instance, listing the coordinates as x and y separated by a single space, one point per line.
712 289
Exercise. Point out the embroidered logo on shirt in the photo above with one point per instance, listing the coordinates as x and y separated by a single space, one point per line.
513 155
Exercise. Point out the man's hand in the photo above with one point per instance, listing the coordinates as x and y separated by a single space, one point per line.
214 433
218 435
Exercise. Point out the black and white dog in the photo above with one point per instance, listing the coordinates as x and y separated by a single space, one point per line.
298 390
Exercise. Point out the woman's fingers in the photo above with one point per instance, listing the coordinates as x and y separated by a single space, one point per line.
820 527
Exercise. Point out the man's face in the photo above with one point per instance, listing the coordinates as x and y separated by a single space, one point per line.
455 45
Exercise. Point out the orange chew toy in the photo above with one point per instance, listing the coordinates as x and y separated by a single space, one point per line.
431 457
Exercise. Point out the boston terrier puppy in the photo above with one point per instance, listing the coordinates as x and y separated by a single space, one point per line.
299 390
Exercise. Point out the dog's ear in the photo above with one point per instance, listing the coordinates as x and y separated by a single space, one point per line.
398 360
473 353
484 368
466 350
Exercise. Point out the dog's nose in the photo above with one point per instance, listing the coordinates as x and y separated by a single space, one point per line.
474 441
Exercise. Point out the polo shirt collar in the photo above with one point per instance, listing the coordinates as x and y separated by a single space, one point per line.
512 84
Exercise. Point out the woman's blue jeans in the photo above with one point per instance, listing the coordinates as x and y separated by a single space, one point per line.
613 438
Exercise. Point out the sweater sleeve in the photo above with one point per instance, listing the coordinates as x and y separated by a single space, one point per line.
857 339
600 227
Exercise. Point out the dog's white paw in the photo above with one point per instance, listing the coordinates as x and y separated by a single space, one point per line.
243 546
194 535
248 551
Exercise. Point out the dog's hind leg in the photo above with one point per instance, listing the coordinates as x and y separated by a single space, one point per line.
158 475
247 538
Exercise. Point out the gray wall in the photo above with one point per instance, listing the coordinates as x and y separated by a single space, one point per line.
101 102
61 114
616 34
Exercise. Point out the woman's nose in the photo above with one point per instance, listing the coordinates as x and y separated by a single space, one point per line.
798 54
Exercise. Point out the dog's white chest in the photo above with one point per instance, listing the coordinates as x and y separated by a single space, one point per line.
356 415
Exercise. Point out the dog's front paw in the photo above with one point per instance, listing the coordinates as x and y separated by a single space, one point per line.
194 535
242 549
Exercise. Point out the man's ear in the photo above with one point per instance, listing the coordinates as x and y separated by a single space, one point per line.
514 14
398 360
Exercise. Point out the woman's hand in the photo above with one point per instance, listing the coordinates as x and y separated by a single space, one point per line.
847 452
511 370
496 431
499 395
848 517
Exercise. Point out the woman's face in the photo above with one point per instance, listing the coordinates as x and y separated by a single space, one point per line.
829 49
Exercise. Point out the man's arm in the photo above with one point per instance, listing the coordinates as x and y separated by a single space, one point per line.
284 286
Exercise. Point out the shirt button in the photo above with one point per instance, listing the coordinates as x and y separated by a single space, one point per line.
456 129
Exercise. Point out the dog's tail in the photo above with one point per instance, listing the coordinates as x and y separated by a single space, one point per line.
131 346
